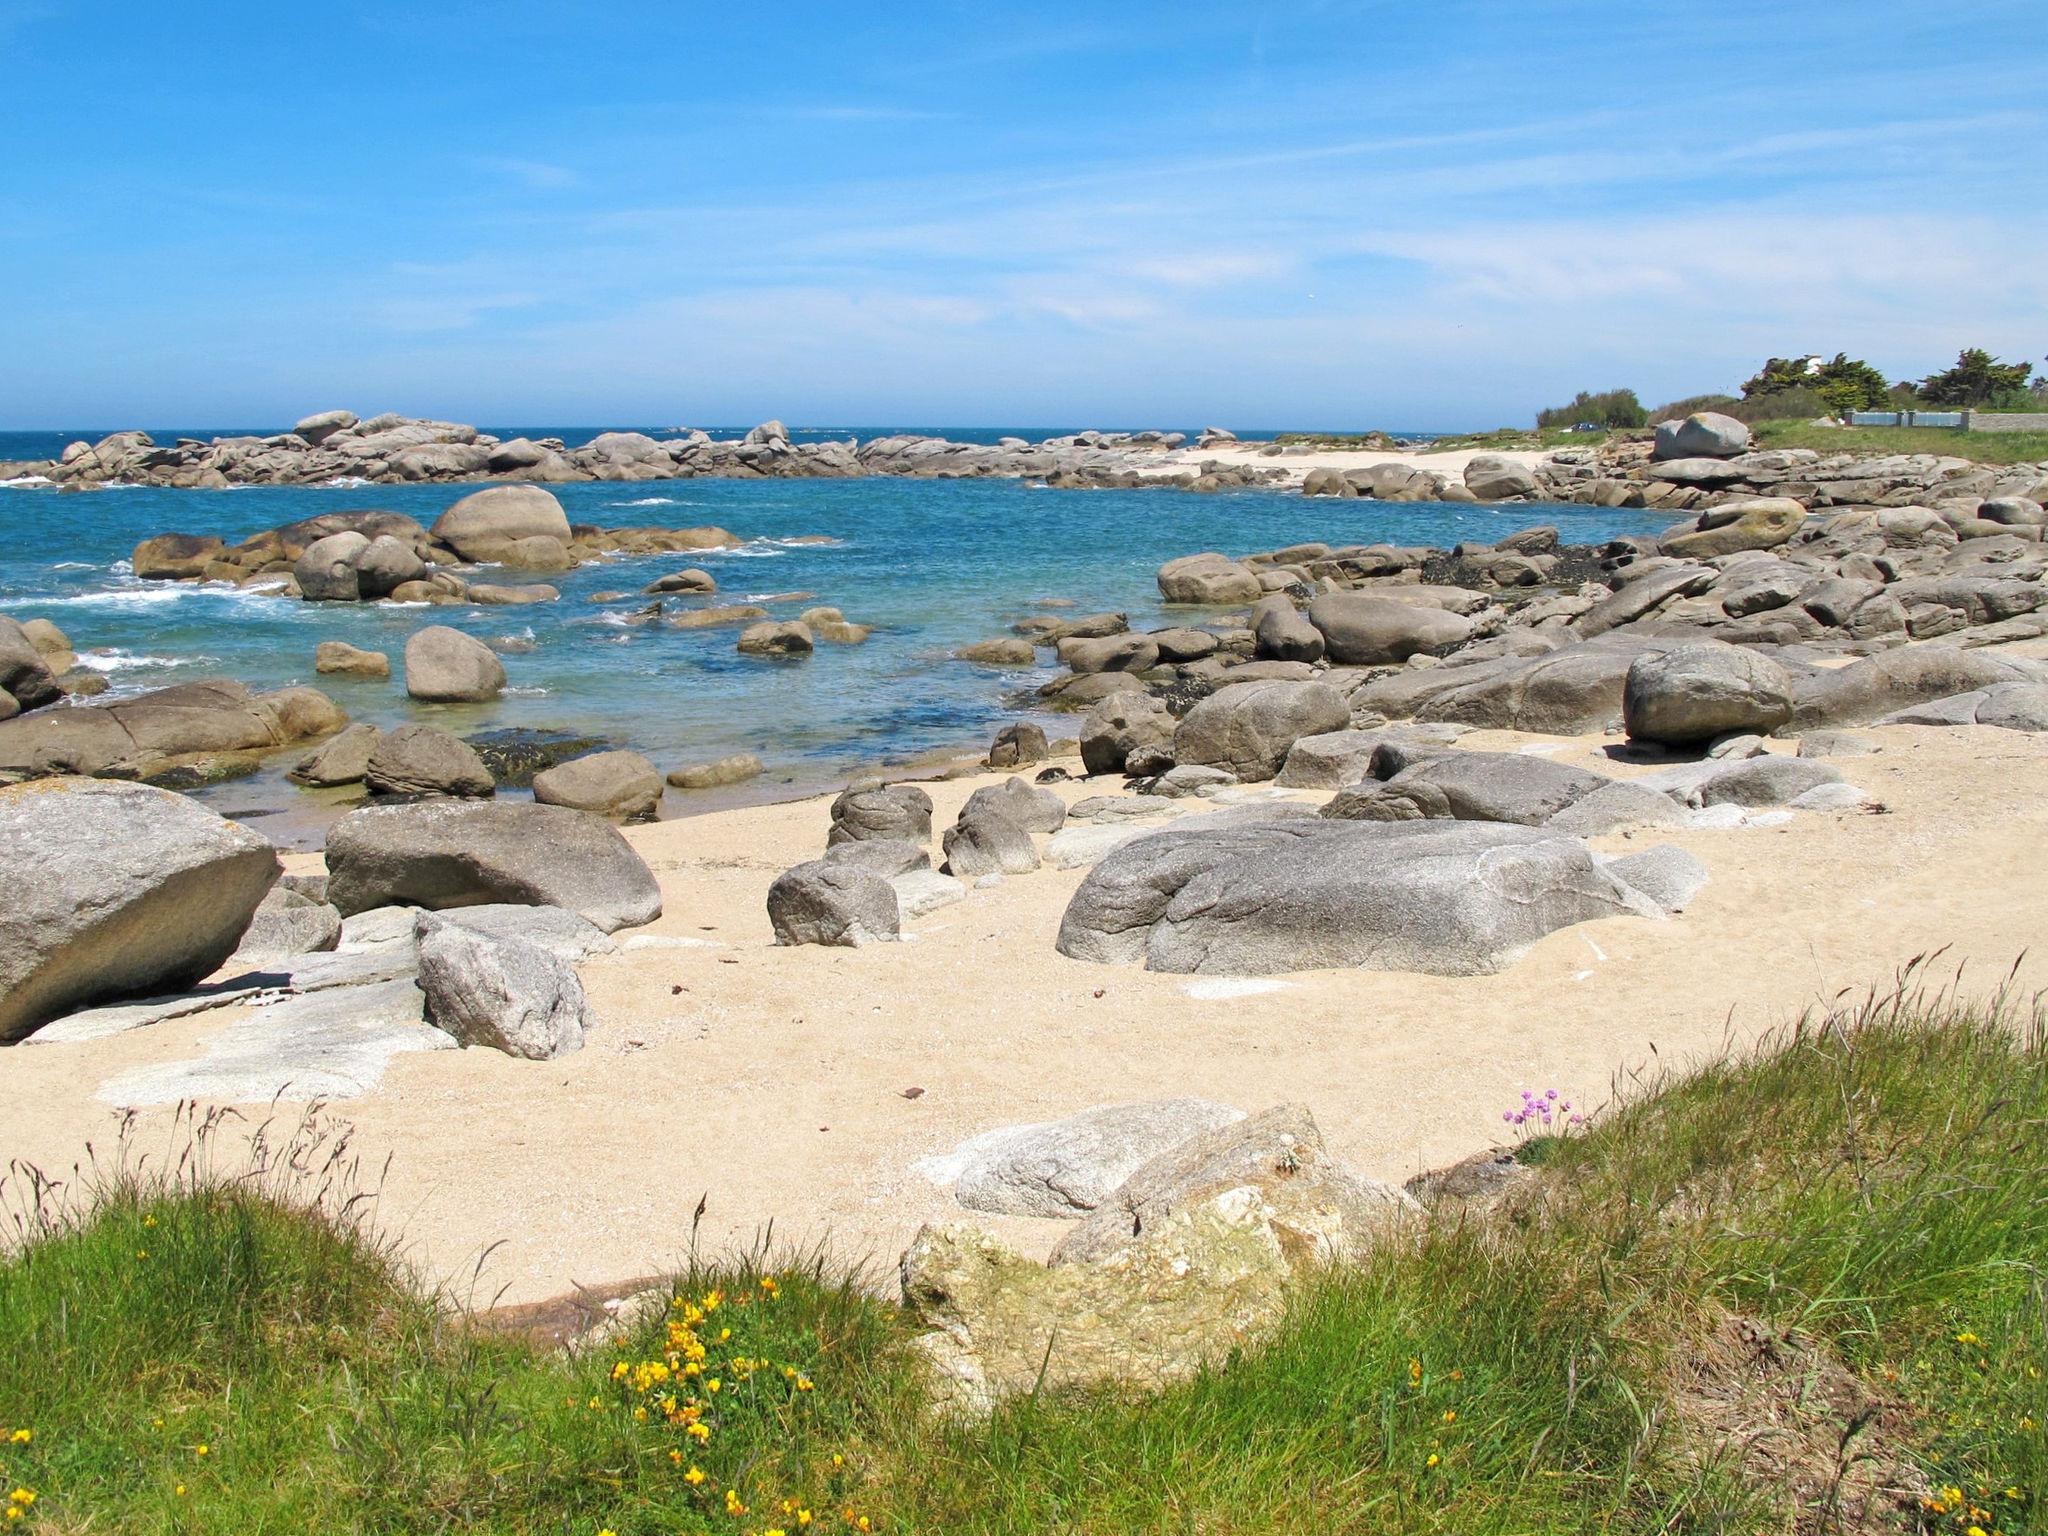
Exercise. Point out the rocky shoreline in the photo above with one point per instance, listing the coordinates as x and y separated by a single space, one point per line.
334 447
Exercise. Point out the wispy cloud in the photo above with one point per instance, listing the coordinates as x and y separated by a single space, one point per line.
539 175
863 114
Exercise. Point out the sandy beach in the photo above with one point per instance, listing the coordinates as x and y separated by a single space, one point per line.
773 1082
1297 463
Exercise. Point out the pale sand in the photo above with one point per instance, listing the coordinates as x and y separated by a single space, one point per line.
769 1080
1450 463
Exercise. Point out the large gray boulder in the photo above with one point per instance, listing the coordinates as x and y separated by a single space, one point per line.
384 565
1493 478
1471 786
1344 757
1363 629
1575 691
836 903
1280 633
463 853
1878 685
1248 728
620 786
116 890
343 759
1697 692
1017 744
1447 898
326 572
24 674
1033 808
445 666
1667 874
504 993
1209 578
1702 435
419 760
484 525
1120 725
2004 706
1109 653
1732 527
985 841
896 812
1066 1168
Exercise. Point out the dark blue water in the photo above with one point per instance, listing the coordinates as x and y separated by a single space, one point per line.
931 564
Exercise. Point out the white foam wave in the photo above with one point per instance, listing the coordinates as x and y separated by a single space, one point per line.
527 692
650 501
345 482
73 565
157 594
124 661
25 482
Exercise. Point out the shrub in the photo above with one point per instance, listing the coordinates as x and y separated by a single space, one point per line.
1609 408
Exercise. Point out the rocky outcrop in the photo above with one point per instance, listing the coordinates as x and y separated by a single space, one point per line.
1211 579
116 890
196 728
451 853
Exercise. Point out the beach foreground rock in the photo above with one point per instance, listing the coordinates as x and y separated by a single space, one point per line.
451 853
499 991
116 890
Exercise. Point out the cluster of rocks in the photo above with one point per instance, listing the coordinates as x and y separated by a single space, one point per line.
180 737
39 667
1192 1224
371 556
437 924
335 446
1709 460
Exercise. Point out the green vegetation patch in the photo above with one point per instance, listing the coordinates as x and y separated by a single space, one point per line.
1799 1289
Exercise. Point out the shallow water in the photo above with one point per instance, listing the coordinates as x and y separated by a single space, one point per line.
931 564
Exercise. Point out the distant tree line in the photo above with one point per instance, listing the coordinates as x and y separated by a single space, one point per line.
1801 388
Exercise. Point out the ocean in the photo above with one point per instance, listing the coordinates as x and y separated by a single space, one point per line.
930 564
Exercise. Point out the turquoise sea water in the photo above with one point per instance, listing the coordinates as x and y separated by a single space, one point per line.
931 564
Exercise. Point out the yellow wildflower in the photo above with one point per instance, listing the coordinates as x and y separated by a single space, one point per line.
694 1476
22 1496
1433 1459
22 1436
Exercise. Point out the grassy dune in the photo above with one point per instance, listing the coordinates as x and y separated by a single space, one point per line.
1801 1290
1869 442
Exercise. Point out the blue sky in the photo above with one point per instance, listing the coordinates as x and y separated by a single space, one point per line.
1323 214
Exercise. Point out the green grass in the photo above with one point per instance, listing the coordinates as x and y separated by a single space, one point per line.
1875 1181
1502 438
1983 447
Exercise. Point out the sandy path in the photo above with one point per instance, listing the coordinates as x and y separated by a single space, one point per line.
769 1080
1450 463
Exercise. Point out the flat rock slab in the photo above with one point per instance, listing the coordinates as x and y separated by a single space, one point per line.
332 1046
1113 808
923 891
118 1019
1072 847
1066 1168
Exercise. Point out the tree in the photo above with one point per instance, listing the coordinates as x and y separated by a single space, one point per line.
1845 383
1977 379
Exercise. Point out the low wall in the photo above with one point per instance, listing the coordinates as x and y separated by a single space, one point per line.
2005 421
